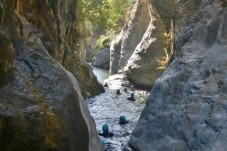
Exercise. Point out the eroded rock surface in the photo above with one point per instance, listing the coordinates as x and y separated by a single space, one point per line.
41 106
186 109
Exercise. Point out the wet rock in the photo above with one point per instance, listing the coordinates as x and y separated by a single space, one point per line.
186 106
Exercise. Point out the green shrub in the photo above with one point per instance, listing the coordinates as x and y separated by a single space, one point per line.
103 41
107 13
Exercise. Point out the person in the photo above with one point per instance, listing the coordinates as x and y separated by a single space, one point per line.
132 97
132 88
125 90
105 85
118 91
105 131
122 120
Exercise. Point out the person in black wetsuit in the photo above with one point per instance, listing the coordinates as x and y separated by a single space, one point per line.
122 120
132 98
118 91
125 90
105 131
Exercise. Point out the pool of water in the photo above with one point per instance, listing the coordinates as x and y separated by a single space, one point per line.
101 74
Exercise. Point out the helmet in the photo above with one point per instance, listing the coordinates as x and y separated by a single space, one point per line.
122 119
105 128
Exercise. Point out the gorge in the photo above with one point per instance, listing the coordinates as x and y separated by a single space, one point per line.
174 49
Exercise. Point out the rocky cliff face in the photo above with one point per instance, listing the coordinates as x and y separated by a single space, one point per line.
125 43
186 109
62 33
41 106
146 43
139 45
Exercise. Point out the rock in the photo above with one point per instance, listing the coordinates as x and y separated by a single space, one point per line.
41 107
123 46
142 65
137 55
186 109
62 34
6 59
102 59
43 104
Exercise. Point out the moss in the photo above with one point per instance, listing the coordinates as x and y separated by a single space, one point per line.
6 58
52 4
14 134
52 126
7 13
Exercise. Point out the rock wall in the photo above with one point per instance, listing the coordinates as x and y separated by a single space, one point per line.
139 45
186 109
63 34
41 106
144 46
125 43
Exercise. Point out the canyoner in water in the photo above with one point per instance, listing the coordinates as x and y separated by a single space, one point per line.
132 96
122 120
105 131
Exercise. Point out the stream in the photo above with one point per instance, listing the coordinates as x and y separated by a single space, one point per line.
107 107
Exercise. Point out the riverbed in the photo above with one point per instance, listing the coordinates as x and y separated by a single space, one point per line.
107 107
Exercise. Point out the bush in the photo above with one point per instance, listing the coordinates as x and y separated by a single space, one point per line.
106 13
103 41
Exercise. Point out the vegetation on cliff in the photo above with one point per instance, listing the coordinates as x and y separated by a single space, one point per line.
107 13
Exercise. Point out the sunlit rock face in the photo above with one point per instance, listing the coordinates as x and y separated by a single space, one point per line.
145 44
41 106
125 43
186 109
139 45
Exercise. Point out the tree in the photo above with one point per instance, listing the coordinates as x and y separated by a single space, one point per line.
106 13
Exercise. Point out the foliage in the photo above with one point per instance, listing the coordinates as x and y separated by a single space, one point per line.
107 13
103 41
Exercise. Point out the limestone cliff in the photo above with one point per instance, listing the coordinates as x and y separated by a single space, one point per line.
186 109
146 42
41 106
139 45
62 33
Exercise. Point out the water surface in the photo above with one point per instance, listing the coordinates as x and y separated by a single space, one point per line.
108 107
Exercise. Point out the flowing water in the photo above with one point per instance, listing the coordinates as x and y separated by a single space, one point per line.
107 107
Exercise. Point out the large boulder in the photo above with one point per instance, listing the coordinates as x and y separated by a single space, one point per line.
102 59
142 65
41 106
186 109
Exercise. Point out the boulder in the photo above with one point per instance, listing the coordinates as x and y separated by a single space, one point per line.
41 107
142 68
102 59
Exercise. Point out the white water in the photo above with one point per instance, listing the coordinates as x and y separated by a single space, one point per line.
108 107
